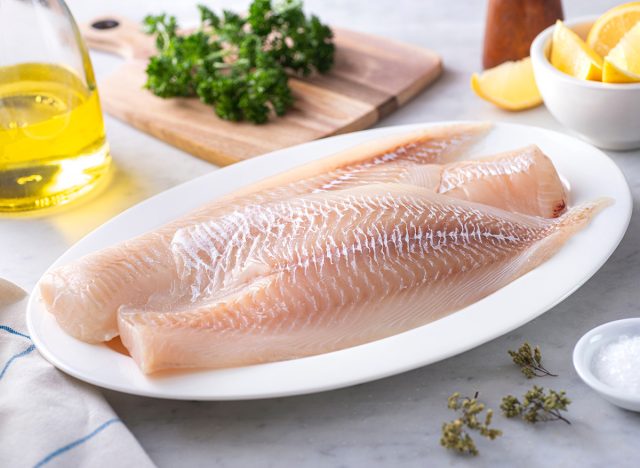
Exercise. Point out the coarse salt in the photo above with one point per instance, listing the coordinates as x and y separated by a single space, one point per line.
618 364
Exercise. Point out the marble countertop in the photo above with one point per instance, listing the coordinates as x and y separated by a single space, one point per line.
395 421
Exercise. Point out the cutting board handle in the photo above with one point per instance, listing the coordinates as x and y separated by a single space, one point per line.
118 35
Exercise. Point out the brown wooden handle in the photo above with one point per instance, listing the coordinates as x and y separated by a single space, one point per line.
119 36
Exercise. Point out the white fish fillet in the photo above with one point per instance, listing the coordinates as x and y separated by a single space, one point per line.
325 271
85 295
524 181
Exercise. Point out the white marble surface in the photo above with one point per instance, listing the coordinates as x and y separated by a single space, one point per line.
395 421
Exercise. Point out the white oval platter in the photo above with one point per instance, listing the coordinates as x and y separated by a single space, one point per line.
588 172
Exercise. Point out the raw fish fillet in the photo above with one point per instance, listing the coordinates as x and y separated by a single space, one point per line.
524 181
85 295
330 270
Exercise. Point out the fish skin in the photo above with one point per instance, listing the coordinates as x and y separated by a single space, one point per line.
85 295
338 269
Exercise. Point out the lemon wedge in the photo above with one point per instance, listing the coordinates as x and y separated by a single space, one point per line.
607 31
622 65
510 85
611 73
571 55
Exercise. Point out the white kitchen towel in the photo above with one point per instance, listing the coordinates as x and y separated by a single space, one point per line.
46 417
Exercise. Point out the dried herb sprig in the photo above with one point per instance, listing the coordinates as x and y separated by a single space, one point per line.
455 434
530 361
536 406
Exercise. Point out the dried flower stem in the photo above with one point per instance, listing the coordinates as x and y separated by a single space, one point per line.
530 361
455 434
536 406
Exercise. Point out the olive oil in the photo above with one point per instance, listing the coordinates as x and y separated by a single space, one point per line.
52 141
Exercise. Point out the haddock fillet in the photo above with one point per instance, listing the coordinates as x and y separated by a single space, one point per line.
325 271
524 181
85 295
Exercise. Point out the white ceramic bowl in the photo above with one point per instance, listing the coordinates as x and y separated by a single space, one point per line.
604 114
587 348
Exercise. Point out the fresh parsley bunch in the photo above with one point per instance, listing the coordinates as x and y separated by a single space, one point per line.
239 65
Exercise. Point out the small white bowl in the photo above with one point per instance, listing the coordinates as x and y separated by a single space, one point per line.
587 348
604 114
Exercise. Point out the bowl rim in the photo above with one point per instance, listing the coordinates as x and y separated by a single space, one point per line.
538 56
584 368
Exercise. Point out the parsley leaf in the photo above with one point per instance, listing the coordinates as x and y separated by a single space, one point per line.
239 65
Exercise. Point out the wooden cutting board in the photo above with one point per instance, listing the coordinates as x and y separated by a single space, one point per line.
371 78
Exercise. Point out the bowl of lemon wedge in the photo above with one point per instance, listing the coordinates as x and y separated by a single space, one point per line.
588 74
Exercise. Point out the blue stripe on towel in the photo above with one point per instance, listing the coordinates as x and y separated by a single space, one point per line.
14 357
14 332
75 443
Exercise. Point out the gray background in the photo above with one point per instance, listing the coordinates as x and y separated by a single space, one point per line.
395 421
